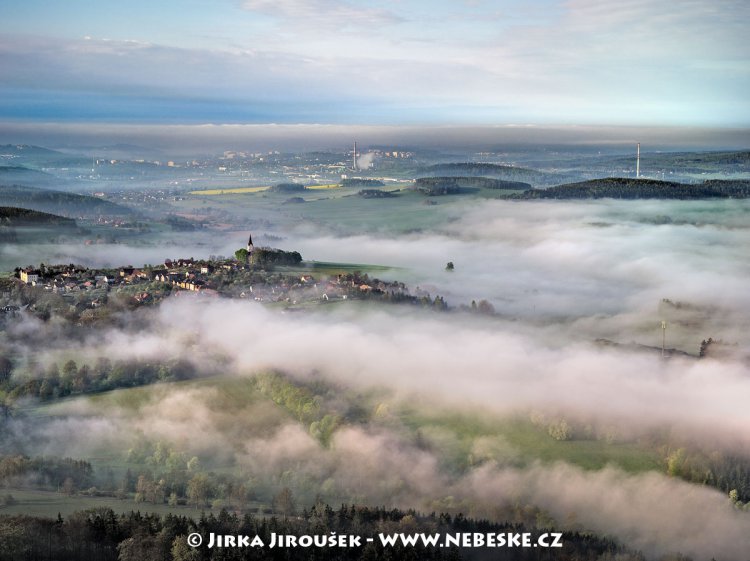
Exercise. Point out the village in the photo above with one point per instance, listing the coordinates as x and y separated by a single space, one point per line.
261 274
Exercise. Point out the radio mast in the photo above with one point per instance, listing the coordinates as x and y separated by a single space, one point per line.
638 161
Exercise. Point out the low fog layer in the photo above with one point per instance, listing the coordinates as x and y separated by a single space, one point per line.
198 139
491 366
584 270
560 276
606 264
646 511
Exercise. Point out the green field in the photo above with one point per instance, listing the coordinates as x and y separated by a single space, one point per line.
49 503
238 404
527 443
338 210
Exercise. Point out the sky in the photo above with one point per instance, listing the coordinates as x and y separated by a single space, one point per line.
392 62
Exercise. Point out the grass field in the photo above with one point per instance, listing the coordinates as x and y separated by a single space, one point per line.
239 406
325 186
239 411
49 503
524 443
331 269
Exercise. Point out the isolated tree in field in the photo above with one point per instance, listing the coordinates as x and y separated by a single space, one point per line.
484 307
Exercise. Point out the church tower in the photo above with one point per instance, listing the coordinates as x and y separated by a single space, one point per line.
250 246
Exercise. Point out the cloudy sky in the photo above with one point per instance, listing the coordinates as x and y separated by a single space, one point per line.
558 62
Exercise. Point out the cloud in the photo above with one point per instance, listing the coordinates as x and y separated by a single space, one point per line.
317 15
586 62
649 512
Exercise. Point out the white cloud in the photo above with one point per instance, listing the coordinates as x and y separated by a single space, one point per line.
318 15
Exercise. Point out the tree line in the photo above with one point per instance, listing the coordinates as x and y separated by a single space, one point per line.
54 382
626 188
103 535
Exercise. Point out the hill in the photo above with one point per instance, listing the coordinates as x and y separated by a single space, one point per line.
25 150
357 182
15 222
624 188
19 217
458 184
21 175
508 173
376 194
58 202
693 162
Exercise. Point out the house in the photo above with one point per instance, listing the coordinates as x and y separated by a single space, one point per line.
30 276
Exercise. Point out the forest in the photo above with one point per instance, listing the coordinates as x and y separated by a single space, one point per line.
432 186
625 188
58 202
104 535
506 172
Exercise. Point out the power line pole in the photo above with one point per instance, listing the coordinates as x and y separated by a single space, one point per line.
663 338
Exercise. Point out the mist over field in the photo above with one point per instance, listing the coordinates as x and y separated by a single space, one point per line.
460 366
561 277
350 269
525 383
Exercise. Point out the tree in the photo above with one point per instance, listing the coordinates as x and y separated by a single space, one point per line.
68 486
484 307
283 502
140 547
45 390
560 430
69 372
198 490
6 368
241 255
449 266
181 551
239 496
676 462
194 464
10 500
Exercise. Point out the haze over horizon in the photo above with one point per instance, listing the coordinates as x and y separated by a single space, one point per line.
551 63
